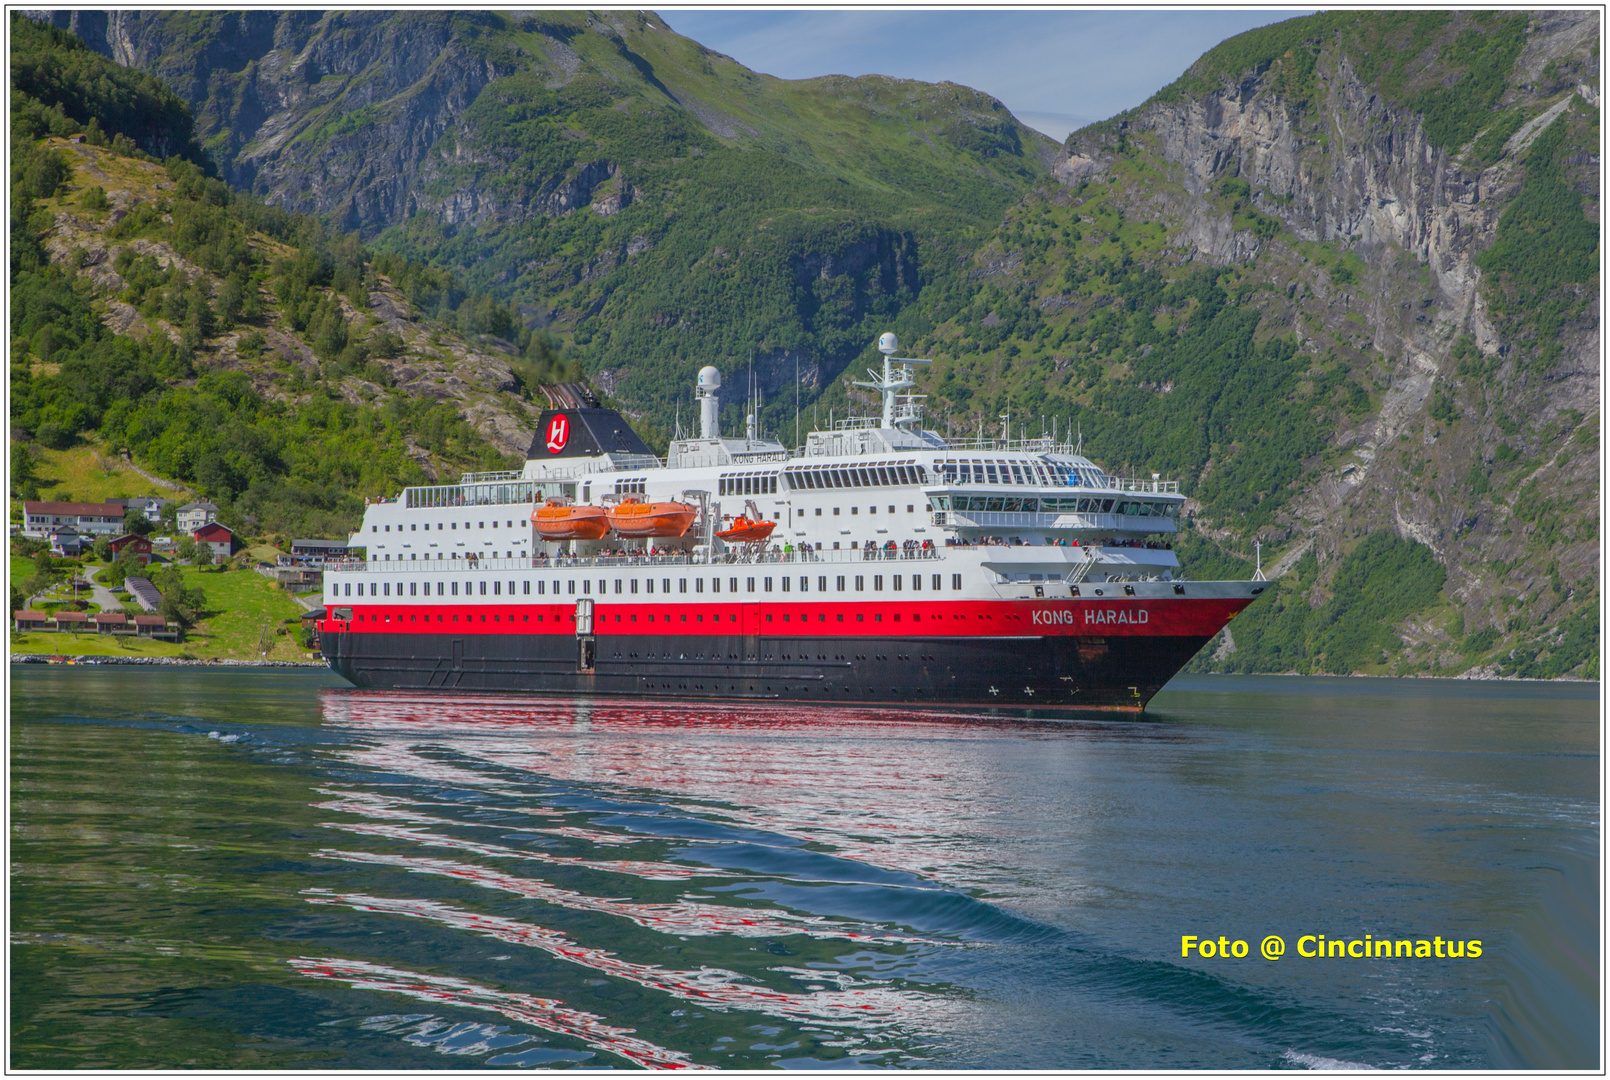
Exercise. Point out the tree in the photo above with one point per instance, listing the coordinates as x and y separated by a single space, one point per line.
24 481
180 604
204 555
185 548
135 521
103 548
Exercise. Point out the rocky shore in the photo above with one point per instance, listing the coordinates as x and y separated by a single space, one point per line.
160 661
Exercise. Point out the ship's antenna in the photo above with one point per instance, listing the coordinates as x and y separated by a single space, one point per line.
678 418
796 399
1081 449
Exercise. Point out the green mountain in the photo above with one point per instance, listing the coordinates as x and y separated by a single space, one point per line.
247 352
654 204
1340 278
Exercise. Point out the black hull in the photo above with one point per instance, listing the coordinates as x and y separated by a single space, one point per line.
1063 672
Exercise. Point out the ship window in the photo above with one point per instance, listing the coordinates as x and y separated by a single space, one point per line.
617 586
785 584
955 581
634 586
494 524
821 583
542 590
497 588
455 588
989 466
649 585
896 582
860 617
483 588
454 525
911 508
698 585
916 582
715 584
388 528
349 590
804 583
872 509
768 584
374 528
413 528
526 588
750 585
571 586
586 587
835 512
388 588
732 584
1017 474
841 616
482 524
413 589
603 586
855 510
860 583
891 509
511 588
818 511
682 585
877 582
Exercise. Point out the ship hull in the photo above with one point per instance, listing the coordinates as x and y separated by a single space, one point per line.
1053 672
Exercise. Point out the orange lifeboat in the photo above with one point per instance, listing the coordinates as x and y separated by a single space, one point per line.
633 519
746 531
556 520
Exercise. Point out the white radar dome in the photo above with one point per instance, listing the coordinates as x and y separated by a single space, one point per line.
887 344
709 378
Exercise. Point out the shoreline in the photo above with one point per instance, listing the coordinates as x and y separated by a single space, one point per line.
158 661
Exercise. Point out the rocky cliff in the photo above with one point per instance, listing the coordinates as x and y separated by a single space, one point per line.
1408 242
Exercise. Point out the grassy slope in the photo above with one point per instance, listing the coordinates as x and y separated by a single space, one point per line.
239 603
89 473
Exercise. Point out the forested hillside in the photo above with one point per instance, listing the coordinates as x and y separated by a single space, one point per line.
1340 279
270 363
655 204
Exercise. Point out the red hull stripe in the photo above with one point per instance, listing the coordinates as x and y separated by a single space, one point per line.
958 618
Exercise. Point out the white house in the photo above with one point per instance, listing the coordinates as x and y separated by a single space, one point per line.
94 519
192 516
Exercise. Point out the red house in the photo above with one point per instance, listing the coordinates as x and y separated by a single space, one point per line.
218 537
137 546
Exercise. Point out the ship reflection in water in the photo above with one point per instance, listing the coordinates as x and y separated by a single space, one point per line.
734 807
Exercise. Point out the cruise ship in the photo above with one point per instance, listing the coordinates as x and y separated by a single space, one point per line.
880 562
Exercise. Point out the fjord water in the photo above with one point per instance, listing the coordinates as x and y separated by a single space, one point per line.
272 870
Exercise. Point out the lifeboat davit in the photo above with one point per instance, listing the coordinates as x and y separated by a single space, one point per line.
746 531
555 520
633 519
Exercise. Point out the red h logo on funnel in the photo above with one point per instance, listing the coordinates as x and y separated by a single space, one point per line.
558 433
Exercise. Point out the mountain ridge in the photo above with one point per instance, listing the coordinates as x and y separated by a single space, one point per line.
1340 277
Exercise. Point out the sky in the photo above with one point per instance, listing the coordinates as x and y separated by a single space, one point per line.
1056 70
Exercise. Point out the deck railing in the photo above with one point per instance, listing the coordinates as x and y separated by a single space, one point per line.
561 562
